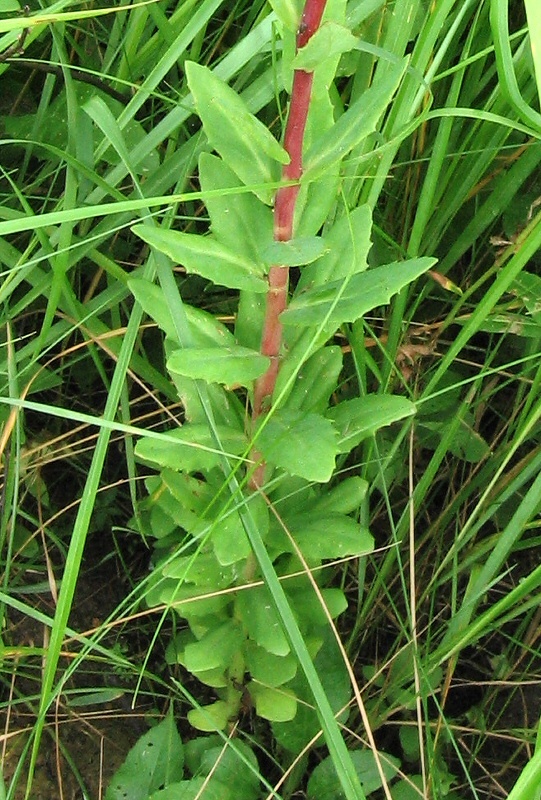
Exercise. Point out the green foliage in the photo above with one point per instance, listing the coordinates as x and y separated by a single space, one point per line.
422 140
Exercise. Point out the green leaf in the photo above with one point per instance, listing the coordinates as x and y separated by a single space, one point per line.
288 12
267 668
244 143
333 536
294 735
328 41
156 759
233 366
215 649
295 252
344 498
261 620
357 419
214 717
205 256
348 244
239 220
9 6
202 570
205 329
362 293
235 767
316 380
192 448
276 705
324 784
193 789
229 539
354 125
302 444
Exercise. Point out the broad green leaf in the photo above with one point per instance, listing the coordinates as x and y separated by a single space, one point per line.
294 735
288 12
229 539
9 6
348 244
156 759
302 444
362 293
344 498
240 221
206 256
324 784
215 649
205 329
295 252
326 537
202 570
235 767
328 41
356 419
214 717
244 143
228 365
268 668
193 789
309 609
261 620
193 449
316 380
354 125
276 705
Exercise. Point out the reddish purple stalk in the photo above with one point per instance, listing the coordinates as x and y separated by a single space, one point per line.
284 211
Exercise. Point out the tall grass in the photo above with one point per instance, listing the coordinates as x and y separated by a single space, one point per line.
442 625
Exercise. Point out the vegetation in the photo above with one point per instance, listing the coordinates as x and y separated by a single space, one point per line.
270 421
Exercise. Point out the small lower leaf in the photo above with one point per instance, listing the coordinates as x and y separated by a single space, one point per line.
276 705
214 717
357 419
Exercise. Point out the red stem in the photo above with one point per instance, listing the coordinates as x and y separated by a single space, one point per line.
284 212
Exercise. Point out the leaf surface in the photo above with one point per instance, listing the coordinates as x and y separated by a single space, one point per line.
205 256
357 419
228 365
302 444
334 304
244 143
